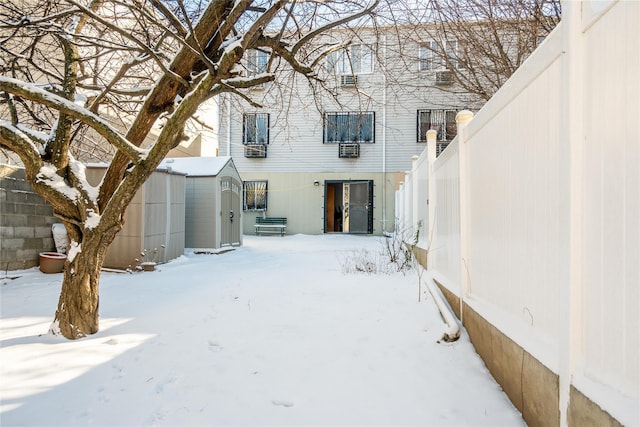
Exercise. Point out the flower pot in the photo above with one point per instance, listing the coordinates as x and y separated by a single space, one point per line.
148 266
52 262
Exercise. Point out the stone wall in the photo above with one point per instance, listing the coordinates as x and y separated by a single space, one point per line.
25 221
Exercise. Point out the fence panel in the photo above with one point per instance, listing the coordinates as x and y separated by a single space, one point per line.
445 237
515 259
611 200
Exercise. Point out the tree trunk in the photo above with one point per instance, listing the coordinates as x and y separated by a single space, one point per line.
77 313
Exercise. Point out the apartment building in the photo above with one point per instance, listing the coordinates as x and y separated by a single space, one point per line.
330 156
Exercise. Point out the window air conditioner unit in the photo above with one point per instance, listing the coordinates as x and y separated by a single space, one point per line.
444 77
255 151
349 150
348 80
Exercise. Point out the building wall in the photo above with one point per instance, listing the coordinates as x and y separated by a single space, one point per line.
294 195
394 92
25 221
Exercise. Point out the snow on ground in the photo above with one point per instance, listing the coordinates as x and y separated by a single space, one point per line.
272 333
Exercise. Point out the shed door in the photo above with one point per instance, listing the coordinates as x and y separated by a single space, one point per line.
230 212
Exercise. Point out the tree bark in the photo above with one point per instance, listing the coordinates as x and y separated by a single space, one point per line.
77 313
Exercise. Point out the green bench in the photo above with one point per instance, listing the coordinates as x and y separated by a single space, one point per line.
270 225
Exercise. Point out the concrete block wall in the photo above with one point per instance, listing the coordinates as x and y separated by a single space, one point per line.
25 221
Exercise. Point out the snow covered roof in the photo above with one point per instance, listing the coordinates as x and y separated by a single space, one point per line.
197 166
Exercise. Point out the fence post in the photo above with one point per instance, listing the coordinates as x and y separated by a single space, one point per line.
462 119
571 208
415 196
399 207
408 203
432 199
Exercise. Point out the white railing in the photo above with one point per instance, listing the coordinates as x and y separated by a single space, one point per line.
534 207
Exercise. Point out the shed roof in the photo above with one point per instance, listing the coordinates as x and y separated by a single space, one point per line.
197 166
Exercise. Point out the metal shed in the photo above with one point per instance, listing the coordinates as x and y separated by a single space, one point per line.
155 218
213 217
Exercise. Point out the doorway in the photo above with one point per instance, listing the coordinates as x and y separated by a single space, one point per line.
348 207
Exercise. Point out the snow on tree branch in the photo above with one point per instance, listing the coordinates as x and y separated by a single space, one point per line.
35 93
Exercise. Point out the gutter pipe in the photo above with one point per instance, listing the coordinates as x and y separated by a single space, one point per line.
452 329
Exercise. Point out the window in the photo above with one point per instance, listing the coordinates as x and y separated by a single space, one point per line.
256 62
451 50
254 195
355 59
427 56
431 58
349 127
255 128
442 121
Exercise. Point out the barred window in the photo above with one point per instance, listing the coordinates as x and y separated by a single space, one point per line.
442 121
349 127
254 195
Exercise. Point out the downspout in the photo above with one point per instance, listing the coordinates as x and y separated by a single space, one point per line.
169 201
452 329
384 138
143 216
228 96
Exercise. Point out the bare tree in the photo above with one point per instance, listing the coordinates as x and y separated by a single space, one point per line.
478 44
80 74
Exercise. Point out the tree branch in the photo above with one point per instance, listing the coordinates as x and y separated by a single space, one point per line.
34 93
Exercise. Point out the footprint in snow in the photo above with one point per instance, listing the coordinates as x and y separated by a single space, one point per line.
285 403
159 389
214 346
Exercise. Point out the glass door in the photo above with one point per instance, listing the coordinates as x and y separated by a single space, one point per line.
357 214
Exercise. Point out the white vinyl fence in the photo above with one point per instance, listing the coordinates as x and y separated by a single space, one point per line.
534 211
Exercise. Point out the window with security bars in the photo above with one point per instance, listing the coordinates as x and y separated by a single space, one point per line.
254 195
442 121
349 127
255 128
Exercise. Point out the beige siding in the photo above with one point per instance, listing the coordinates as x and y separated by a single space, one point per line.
164 215
155 217
202 214
294 195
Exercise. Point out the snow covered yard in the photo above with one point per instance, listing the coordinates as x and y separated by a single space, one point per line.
272 333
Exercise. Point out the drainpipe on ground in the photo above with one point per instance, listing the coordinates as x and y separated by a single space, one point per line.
452 330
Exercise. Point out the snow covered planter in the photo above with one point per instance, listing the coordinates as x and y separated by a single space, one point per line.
148 266
52 262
